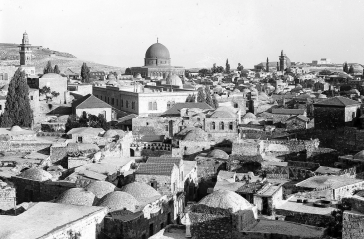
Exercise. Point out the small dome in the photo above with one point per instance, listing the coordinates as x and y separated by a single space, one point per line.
157 50
193 134
359 155
138 76
117 200
36 174
236 91
51 75
111 82
16 128
246 90
100 188
226 200
112 133
111 76
174 80
254 122
249 115
140 191
218 153
76 196
322 96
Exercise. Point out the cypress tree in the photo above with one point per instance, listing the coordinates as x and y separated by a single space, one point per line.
351 70
17 106
56 69
189 98
215 102
345 68
85 73
48 68
227 67
208 97
200 95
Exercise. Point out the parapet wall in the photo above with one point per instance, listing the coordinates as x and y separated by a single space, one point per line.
7 199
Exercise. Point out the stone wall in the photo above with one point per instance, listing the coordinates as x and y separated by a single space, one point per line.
58 154
163 183
23 146
7 198
210 223
305 218
139 226
53 127
245 147
353 224
193 147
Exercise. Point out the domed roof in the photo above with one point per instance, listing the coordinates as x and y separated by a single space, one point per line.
76 196
263 95
218 153
36 174
16 128
111 76
157 50
140 191
174 80
236 90
138 76
226 200
193 134
118 200
359 155
322 96
100 188
249 115
51 75
254 122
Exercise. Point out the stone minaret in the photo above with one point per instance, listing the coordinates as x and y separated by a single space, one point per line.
282 61
25 51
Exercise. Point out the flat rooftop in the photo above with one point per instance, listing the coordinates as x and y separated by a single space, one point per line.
170 232
42 219
326 180
287 228
295 206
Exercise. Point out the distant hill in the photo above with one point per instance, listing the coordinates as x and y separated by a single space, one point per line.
9 55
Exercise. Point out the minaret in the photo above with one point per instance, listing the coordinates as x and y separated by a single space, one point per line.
267 65
281 61
25 51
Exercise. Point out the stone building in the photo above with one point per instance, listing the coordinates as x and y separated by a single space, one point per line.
336 112
7 196
94 106
85 134
157 63
55 82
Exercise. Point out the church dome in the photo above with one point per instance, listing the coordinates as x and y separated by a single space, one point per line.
100 188
76 196
174 80
157 50
226 200
140 191
36 174
117 200
16 128
218 153
249 115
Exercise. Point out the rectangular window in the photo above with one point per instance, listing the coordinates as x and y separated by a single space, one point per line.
117 102
122 103
166 128
133 105
150 106
127 104
79 139
1 107
31 97
112 101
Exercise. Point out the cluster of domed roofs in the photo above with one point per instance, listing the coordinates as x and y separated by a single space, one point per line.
131 197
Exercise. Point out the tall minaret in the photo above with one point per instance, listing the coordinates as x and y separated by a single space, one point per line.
281 61
25 51
267 65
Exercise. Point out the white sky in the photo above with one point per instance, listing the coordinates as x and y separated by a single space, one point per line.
197 33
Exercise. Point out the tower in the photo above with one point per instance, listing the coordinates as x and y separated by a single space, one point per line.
267 65
282 62
25 51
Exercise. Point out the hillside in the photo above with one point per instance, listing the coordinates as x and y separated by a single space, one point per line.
9 55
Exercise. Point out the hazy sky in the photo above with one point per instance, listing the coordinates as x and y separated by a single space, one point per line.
197 33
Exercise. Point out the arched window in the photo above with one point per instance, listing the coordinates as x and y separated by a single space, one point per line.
122 103
127 104
236 105
213 125
154 105
221 126
231 126
150 106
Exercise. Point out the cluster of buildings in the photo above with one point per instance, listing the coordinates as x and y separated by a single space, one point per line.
279 156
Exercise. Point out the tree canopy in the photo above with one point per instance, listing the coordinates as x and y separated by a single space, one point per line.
209 100
87 121
48 68
201 95
85 73
227 66
17 107
240 67
351 69
345 67
127 71
56 69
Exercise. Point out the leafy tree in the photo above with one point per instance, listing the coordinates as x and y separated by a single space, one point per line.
187 73
56 69
193 98
351 70
203 72
219 69
345 67
208 97
215 102
200 95
102 122
17 106
72 122
227 66
127 71
240 67
48 68
85 73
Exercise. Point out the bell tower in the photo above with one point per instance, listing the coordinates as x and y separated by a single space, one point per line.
25 51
